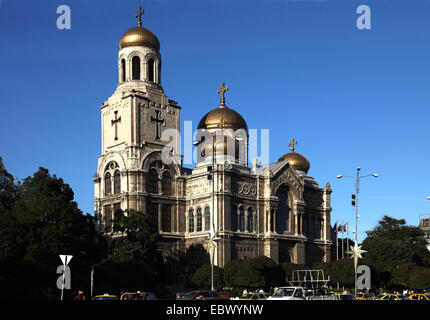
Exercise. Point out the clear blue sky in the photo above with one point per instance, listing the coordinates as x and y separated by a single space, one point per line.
299 68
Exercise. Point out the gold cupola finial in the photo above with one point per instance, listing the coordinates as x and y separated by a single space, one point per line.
222 91
292 144
139 16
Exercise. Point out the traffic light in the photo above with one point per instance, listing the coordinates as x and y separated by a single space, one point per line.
353 200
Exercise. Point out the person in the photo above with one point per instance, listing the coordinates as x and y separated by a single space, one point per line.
80 296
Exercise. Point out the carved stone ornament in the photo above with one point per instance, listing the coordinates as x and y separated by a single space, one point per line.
287 177
245 188
198 187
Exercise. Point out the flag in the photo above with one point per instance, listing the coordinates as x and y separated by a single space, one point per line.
340 228
334 229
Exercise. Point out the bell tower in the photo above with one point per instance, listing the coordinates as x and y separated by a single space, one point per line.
133 120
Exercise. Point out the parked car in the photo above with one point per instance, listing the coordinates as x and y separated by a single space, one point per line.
288 293
199 295
253 296
105 296
343 296
138 295
388 296
418 296
364 296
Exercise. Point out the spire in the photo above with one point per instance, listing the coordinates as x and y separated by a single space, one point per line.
292 144
139 16
222 91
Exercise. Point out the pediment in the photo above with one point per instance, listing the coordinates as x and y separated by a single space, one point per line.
287 175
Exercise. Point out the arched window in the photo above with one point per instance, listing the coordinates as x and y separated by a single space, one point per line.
151 69
166 183
153 181
116 182
123 70
135 62
250 220
108 184
199 220
283 214
191 220
233 218
207 219
241 220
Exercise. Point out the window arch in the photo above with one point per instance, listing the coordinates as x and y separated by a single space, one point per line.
283 214
199 220
207 219
153 181
233 218
250 220
150 65
108 184
191 220
166 183
241 219
135 62
116 182
122 70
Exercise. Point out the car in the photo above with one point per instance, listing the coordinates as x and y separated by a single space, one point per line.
388 296
253 296
199 295
418 296
105 296
288 293
364 296
138 295
343 296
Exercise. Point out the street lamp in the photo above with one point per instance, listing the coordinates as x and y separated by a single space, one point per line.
355 203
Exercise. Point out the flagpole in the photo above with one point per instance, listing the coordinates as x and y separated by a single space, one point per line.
343 243
337 243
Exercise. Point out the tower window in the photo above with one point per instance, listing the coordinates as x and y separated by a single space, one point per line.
199 220
108 184
123 70
116 182
166 183
153 181
191 221
151 70
136 68
207 218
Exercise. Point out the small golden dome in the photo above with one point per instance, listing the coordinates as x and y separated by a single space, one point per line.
139 36
296 160
222 118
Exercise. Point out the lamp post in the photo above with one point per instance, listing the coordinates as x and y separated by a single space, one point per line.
357 251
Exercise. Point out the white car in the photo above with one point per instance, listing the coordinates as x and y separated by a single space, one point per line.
288 293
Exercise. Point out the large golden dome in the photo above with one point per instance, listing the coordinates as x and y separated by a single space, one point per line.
139 36
222 117
296 160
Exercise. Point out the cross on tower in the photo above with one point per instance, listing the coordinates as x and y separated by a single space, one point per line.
139 16
292 144
158 123
222 90
115 122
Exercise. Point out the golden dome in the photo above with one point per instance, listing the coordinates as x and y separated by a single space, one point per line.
139 36
222 118
296 160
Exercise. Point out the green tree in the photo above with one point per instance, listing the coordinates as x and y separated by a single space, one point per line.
342 272
203 276
42 223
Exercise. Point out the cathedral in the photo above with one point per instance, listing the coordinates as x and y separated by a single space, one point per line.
276 209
